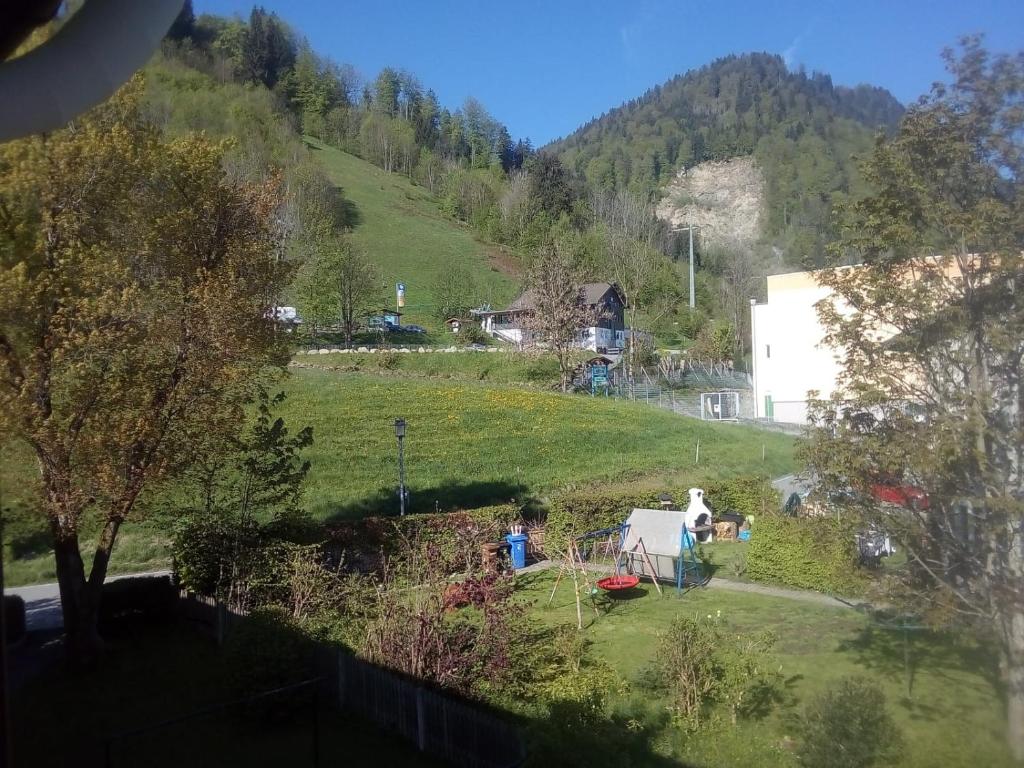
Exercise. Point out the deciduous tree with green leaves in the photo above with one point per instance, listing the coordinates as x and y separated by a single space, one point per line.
931 324
339 283
136 292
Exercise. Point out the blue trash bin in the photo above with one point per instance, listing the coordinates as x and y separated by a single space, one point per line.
517 543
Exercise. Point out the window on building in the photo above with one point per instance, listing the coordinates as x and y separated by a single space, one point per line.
768 350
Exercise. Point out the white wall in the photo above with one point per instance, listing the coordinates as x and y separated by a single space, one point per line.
789 356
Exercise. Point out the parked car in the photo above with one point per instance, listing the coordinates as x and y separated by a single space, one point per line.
379 323
892 490
413 329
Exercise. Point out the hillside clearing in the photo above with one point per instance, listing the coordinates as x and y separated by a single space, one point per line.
399 226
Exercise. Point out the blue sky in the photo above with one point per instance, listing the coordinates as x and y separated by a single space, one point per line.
543 68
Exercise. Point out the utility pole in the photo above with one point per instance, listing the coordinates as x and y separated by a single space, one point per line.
693 292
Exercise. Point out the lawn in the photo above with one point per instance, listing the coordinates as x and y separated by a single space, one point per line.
469 445
400 228
160 673
952 714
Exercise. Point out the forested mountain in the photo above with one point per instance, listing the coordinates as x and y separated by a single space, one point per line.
801 129
590 197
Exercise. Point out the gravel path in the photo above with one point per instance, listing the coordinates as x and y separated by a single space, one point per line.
734 586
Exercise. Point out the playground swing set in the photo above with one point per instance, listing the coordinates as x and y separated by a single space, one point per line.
652 543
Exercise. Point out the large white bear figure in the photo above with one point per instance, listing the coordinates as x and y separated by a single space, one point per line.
698 515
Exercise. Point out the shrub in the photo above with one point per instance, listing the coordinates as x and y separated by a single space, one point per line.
588 510
291 576
472 333
571 514
578 698
455 536
249 565
714 342
208 549
806 553
848 727
388 360
14 619
701 664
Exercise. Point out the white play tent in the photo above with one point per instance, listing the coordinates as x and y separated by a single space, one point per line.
668 544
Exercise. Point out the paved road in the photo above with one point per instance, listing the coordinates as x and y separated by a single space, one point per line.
42 602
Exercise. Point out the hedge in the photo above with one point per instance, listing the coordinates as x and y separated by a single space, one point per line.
364 541
581 511
806 553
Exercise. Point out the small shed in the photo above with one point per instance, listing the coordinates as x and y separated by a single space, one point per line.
454 324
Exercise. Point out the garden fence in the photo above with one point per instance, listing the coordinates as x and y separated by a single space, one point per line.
461 733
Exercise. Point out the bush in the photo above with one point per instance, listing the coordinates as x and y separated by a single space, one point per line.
702 664
456 536
207 549
150 598
588 510
571 514
848 727
388 360
472 333
14 619
806 553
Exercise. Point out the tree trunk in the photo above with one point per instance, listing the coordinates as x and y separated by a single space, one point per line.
1014 668
79 599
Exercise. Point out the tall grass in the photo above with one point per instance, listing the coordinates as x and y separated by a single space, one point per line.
477 444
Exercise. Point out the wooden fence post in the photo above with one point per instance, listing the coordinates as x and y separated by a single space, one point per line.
221 620
341 679
421 721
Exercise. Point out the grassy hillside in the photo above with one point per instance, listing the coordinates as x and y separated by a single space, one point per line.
469 443
474 444
507 367
399 226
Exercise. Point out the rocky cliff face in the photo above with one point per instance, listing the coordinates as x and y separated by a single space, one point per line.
723 199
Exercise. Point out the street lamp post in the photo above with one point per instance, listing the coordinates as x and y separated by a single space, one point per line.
400 434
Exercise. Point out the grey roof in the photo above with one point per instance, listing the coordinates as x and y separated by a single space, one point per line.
592 294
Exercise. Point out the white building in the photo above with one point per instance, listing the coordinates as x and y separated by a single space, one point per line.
789 355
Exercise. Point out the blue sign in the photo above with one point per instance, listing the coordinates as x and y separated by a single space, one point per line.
598 376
